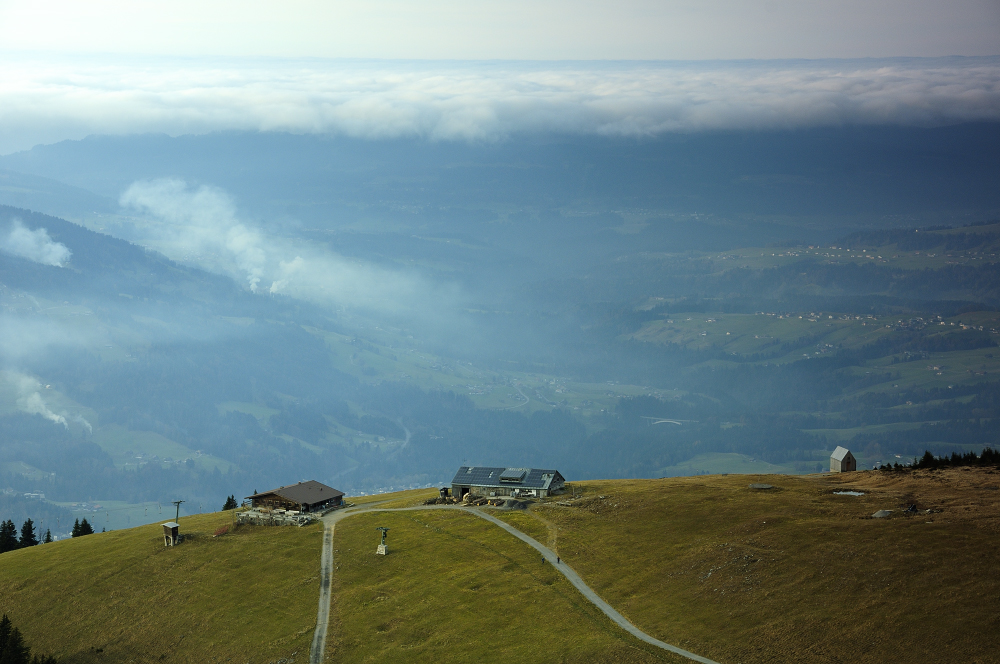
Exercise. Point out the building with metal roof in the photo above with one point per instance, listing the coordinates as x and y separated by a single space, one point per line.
842 461
491 481
305 496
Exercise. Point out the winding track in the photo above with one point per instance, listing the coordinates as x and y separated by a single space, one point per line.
323 615
316 652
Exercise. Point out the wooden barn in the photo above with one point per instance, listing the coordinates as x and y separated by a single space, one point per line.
842 461
518 482
308 496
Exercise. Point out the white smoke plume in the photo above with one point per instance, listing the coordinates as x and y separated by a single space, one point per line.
35 245
29 399
46 101
200 226
82 421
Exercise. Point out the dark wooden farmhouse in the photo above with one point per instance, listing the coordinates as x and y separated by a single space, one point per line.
308 496
520 482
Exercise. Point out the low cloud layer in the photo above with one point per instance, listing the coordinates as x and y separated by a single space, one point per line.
46 101
35 245
199 226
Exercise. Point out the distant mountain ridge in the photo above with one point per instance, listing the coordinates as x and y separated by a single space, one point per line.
21 190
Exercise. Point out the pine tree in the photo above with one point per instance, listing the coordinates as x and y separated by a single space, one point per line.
13 649
76 527
927 461
86 528
28 537
48 536
8 536
230 503
5 629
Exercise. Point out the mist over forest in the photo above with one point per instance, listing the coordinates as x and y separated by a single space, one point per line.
196 316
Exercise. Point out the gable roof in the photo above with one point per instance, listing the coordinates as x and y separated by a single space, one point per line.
303 493
840 453
520 478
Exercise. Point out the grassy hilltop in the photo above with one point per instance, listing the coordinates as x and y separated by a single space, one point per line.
796 573
789 574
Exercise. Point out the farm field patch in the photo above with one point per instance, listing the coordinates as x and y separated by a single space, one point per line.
133 448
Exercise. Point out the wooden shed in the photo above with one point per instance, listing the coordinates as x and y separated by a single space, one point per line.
171 534
311 496
842 461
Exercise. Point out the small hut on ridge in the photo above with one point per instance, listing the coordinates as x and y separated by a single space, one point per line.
842 461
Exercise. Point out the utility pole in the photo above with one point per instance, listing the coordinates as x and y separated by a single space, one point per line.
177 504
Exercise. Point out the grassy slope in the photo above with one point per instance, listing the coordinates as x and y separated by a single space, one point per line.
797 573
456 588
792 574
249 595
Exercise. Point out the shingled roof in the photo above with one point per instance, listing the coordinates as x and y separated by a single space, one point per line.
521 478
303 493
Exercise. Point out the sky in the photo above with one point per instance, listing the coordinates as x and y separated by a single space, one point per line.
489 69
507 29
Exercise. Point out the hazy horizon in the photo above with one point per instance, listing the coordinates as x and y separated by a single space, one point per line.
48 100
